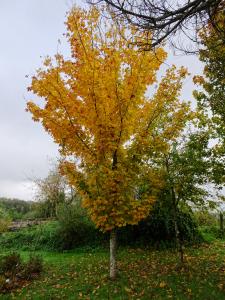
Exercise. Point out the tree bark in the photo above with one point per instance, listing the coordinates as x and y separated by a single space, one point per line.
113 266
221 223
178 240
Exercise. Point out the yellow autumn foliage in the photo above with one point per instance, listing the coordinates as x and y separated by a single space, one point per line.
96 107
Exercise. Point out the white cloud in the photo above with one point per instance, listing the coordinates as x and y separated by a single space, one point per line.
24 190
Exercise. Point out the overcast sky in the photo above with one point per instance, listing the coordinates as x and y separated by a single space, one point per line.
29 30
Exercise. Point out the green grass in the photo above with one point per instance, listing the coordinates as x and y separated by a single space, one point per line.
143 274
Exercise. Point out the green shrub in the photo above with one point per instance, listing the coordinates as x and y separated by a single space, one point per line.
75 228
158 228
72 230
38 237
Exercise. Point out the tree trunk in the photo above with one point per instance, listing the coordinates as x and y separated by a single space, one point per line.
178 239
221 223
179 243
113 267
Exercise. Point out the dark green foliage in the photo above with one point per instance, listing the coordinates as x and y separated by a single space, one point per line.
188 228
75 228
158 229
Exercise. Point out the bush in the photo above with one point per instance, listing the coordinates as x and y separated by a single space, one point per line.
13 271
75 228
158 228
72 230
33 267
38 237
10 264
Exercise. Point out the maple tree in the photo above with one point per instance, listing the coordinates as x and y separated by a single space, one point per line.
96 108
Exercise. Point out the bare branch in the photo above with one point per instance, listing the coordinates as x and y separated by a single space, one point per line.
166 18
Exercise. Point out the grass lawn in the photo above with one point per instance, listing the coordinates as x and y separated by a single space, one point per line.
143 274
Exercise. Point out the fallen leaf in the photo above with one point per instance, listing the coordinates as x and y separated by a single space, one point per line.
127 289
162 284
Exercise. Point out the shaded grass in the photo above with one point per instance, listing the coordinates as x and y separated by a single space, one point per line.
143 274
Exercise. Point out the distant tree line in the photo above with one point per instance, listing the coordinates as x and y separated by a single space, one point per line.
15 208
